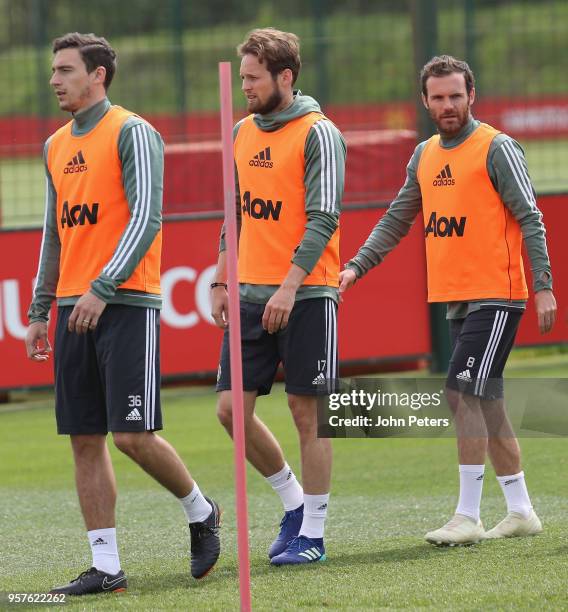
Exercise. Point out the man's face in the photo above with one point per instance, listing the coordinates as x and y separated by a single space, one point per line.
448 102
74 87
262 92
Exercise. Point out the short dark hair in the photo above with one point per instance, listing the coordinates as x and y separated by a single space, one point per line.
95 51
443 65
280 50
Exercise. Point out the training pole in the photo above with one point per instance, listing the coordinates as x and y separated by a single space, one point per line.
235 332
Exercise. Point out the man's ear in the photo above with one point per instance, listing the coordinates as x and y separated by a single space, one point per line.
100 74
286 77
424 101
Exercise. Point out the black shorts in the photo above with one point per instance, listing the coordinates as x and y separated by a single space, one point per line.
307 348
109 379
481 345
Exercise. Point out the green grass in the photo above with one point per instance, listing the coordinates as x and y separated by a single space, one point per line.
22 191
545 159
22 181
385 495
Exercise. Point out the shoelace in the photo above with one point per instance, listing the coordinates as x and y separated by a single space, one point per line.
297 542
200 529
84 574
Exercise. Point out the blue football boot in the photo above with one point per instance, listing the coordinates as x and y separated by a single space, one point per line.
301 550
289 529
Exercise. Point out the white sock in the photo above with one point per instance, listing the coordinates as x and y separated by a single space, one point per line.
195 506
315 511
516 494
471 485
288 488
104 549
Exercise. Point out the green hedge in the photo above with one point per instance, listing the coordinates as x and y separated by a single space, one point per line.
348 56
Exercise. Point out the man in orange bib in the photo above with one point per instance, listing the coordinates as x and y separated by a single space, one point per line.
100 258
471 183
290 164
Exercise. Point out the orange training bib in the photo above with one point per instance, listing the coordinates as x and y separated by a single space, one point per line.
271 168
473 242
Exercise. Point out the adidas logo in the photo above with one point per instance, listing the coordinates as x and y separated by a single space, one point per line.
465 375
479 477
508 482
98 542
322 507
319 379
289 475
77 164
444 179
134 415
311 553
262 159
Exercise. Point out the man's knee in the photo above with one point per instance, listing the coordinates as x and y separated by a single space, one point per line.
129 442
458 401
304 413
88 446
496 419
494 409
453 399
225 410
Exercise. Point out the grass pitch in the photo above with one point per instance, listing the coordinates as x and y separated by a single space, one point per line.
386 494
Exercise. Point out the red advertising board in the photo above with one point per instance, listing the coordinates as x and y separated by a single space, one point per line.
375 170
555 216
520 117
384 316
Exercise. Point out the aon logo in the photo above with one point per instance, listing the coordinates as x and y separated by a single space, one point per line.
79 214
442 226
260 209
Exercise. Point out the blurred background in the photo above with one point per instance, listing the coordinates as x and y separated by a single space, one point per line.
360 60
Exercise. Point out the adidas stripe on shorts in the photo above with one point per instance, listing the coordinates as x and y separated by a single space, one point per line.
307 348
109 379
481 345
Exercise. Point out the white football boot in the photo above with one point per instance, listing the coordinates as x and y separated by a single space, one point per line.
461 530
515 525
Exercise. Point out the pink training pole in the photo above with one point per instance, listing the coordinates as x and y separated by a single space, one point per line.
235 331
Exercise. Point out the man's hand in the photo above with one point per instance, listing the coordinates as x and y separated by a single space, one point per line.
37 342
545 305
347 279
86 314
220 307
278 308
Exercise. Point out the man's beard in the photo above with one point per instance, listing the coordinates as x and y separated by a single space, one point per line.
273 102
461 119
